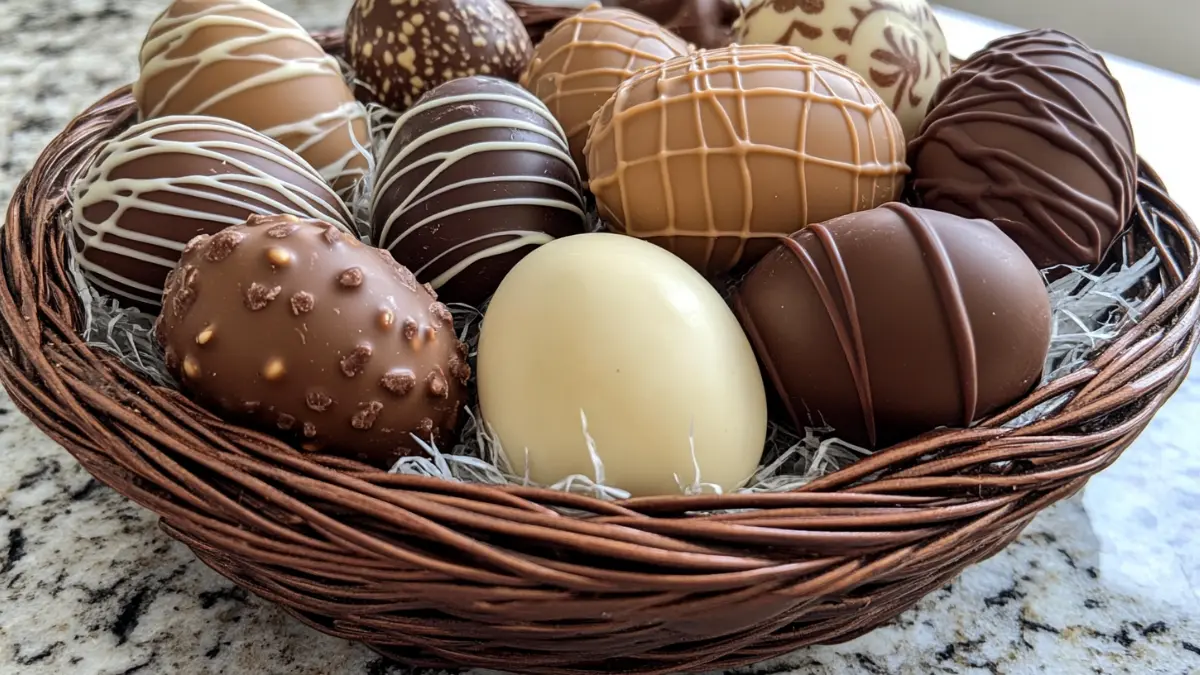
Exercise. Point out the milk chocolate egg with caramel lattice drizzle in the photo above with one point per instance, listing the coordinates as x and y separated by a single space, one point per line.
474 177
244 61
296 327
162 182
716 154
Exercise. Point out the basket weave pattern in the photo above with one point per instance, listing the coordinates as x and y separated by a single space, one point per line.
433 572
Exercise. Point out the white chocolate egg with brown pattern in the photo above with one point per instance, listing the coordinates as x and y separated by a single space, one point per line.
896 45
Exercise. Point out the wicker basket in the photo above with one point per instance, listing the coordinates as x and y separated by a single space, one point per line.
436 573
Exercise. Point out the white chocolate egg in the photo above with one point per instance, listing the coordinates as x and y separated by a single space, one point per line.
896 45
613 340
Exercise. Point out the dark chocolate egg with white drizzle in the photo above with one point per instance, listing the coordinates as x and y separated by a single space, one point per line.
473 177
164 181
888 323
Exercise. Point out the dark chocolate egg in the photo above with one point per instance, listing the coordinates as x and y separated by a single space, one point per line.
888 323
294 326
162 182
1032 133
400 50
473 177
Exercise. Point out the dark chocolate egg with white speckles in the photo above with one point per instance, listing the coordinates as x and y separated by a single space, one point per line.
401 50
294 326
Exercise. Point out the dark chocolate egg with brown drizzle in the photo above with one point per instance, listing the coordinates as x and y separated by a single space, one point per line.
888 323
296 327
1032 133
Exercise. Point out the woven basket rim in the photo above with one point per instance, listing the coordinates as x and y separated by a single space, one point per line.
321 536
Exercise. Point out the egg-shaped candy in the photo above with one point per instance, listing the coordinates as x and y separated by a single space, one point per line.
607 344
400 50
897 46
244 61
583 59
296 327
888 323
1033 134
472 178
715 155
164 181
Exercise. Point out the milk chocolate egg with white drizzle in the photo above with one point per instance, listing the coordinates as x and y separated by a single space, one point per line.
244 61
473 177
162 182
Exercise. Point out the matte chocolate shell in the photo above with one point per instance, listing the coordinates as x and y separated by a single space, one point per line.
1032 133
244 61
583 59
715 155
473 178
400 50
298 328
162 182
891 322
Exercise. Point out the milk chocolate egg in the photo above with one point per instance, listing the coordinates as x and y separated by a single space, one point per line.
888 323
162 182
707 24
298 328
608 340
244 61
897 46
1032 133
582 60
400 50
717 154
473 178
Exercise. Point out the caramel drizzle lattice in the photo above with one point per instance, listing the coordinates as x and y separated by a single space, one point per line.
738 62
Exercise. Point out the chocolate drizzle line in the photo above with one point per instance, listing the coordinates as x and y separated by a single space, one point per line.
976 93
846 323
954 307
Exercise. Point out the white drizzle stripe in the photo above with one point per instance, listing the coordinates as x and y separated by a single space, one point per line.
521 240
544 180
449 159
233 188
529 102
100 283
177 30
485 204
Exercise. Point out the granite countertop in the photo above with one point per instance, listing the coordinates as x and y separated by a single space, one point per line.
1107 582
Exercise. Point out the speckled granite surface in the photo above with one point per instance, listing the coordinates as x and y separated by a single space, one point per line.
1108 582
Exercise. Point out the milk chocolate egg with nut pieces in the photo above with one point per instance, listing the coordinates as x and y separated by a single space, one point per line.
888 323
583 59
715 155
897 46
298 328
244 61
472 178
608 338
400 50
149 191
1032 133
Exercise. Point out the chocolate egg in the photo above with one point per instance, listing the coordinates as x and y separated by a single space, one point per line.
888 323
474 177
296 327
1032 133
243 61
605 344
708 24
582 61
897 46
717 154
401 50
162 182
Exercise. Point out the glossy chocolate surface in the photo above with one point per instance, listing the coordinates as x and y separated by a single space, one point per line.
888 323
1032 133
400 50
473 178
714 155
162 182
300 329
